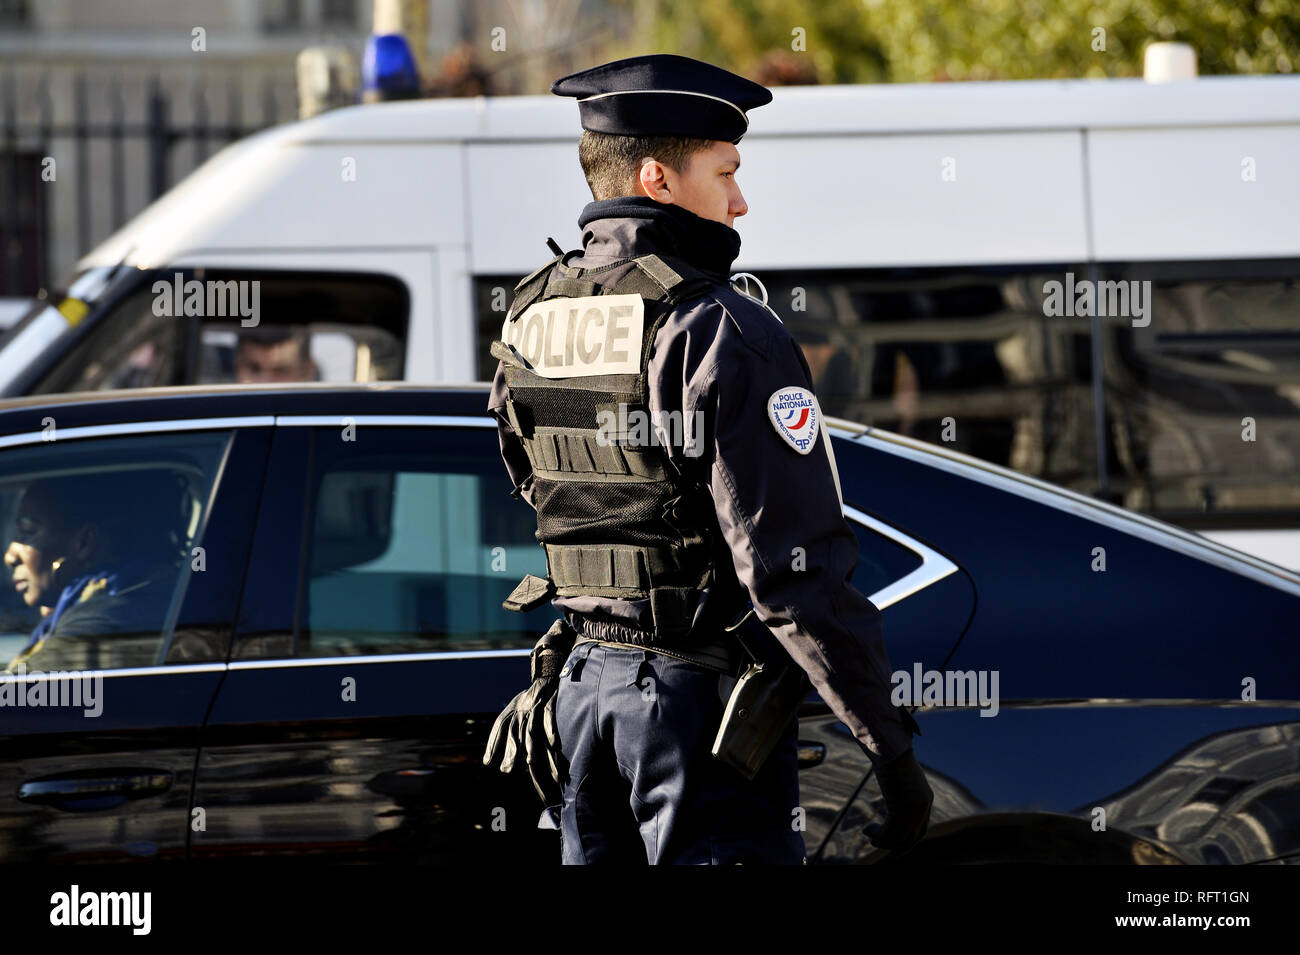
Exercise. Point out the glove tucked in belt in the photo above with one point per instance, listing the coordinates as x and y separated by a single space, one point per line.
528 721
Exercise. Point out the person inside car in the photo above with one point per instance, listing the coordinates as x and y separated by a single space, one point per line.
274 353
99 555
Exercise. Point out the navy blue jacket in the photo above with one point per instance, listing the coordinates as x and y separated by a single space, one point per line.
778 506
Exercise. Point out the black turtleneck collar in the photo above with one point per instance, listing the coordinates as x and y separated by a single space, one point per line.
628 226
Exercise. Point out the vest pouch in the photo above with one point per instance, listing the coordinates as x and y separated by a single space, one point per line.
530 592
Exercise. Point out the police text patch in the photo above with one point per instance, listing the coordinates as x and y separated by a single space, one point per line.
574 337
793 412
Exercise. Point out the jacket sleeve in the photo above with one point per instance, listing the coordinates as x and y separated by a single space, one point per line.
781 513
512 449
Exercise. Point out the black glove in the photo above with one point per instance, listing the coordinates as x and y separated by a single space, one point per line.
528 721
908 799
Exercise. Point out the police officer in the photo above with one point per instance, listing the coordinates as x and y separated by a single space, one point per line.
664 427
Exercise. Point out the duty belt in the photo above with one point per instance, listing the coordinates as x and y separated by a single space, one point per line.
718 654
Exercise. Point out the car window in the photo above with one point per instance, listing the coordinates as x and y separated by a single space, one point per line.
414 541
881 561
100 538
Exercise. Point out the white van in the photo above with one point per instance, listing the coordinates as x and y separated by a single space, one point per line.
909 235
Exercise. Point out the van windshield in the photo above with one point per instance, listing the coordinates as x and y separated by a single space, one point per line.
133 328
48 320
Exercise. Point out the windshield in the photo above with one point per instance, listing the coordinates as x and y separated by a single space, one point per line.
47 321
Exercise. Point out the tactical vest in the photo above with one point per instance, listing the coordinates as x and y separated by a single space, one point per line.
614 514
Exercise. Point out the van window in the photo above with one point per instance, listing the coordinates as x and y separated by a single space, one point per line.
1203 401
210 326
961 357
1202 404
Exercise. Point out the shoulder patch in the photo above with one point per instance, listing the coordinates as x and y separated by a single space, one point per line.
794 414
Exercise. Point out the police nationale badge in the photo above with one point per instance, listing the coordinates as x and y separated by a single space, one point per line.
794 413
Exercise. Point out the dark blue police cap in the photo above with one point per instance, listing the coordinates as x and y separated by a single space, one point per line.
663 95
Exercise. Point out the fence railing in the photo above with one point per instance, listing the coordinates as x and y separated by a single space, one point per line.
121 138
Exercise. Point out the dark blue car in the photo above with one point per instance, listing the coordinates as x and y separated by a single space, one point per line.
290 643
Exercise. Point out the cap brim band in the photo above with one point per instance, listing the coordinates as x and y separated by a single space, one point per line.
663 113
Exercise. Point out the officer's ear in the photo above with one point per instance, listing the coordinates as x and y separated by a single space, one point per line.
653 179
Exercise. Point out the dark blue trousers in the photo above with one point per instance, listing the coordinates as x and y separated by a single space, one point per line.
643 787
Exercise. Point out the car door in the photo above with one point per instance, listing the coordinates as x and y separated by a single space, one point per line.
926 600
99 726
1138 676
372 653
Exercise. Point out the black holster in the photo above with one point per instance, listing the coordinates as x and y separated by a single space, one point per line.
763 702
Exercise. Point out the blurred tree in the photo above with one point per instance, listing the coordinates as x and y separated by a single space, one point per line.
865 41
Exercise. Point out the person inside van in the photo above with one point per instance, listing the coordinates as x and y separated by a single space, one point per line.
274 353
99 555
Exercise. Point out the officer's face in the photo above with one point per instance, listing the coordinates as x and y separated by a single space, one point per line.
707 186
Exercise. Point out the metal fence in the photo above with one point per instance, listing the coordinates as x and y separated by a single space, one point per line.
122 139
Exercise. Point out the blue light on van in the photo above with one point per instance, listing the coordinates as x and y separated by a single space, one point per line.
388 69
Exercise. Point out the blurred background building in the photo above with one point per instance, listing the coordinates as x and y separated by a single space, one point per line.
105 104
127 96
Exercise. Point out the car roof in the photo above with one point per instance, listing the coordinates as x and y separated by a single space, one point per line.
26 414
138 405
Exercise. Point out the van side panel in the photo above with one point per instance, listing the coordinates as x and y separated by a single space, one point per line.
520 193
1220 191
871 201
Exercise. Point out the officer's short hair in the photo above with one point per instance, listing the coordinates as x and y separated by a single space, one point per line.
612 163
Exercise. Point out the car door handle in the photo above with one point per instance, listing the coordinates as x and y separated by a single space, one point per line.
413 781
95 789
810 754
